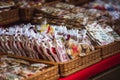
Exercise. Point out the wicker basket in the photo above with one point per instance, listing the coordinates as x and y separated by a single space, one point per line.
48 74
7 17
26 14
72 66
110 49
91 58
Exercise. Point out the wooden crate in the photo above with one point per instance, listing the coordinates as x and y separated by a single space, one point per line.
51 73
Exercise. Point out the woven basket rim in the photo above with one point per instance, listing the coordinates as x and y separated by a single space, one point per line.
42 72
97 50
105 45
29 59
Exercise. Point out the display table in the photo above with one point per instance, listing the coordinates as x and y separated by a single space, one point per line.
103 65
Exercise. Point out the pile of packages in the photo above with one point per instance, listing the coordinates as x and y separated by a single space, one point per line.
18 69
97 23
71 15
112 7
101 34
54 43
59 15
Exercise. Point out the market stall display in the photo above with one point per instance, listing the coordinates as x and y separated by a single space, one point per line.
46 38
75 15
97 23
50 42
73 37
